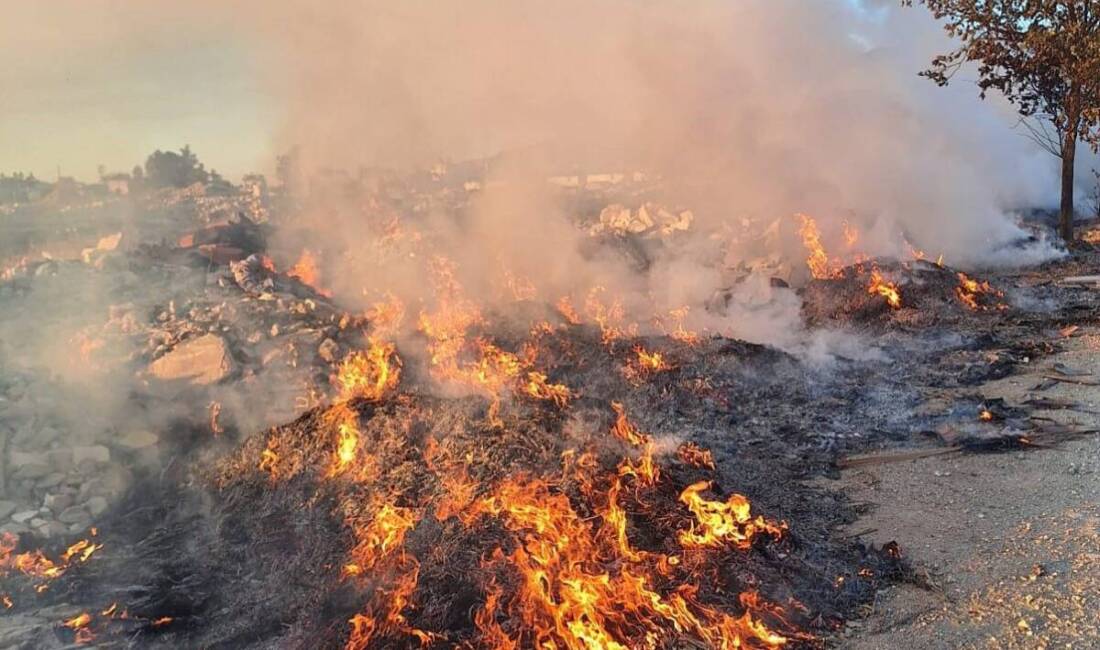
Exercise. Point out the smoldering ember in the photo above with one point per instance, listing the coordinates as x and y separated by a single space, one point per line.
600 325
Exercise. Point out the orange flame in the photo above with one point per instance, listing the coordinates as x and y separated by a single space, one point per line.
371 374
307 271
884 288
970 289
818 259
721 523
695 455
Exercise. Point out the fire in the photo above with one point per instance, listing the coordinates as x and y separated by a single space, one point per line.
539 387
6 601
884 288
644 365
370 374
79 625
346 448
677 330
520 288
721 523
565 601
694 455
567 311
37 565
970 289
215 409
818 259
609 317
307 271
851 234
269 461
985 416
650 361
624 430
385 533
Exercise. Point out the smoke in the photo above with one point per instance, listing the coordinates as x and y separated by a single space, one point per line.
750 111
761 107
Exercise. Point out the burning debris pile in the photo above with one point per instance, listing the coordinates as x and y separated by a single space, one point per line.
852 288
529 514
540 470
914 294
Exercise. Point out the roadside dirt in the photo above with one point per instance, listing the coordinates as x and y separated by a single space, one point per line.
1010 541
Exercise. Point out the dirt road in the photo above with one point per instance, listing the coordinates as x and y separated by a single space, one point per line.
1011 541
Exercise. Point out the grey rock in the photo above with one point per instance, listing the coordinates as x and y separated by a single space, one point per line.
92 453
57 502
50 481
96 505
24 516
53 529
135 440
7 508
19 458
201 361
47 434
61 459
31 472
13 528
72 515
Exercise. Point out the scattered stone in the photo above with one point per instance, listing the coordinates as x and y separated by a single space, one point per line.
53 529
57 502
96 506
50 481
201 361
13 528
92 453
24 517
21 458
72 515
61 459
30 472
136 440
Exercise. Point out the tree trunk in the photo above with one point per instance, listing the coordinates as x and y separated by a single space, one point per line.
1069 151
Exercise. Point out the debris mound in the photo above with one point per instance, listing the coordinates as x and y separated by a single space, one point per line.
889 293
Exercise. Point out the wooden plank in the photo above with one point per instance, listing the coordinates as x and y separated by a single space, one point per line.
893 457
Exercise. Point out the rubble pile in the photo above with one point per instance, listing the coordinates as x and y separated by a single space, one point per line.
648 220
180 342
198 203
51 483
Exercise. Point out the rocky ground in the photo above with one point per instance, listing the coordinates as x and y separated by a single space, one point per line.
140 359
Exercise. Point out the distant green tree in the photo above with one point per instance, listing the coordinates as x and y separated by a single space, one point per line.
171 169
1044 57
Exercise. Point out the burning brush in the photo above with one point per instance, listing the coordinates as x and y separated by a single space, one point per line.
606 547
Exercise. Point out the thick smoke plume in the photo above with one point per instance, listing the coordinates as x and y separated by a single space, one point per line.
757 109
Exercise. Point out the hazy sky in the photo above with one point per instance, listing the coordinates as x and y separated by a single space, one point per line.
90 82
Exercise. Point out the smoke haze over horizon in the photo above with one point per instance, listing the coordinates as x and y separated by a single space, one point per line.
758 108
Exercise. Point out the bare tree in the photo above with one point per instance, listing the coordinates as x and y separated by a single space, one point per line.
1044 57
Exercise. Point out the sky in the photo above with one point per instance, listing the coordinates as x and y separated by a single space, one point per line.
98 82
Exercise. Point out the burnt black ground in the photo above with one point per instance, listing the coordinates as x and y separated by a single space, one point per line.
238 567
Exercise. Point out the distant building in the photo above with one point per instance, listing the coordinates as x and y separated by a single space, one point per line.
118 184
